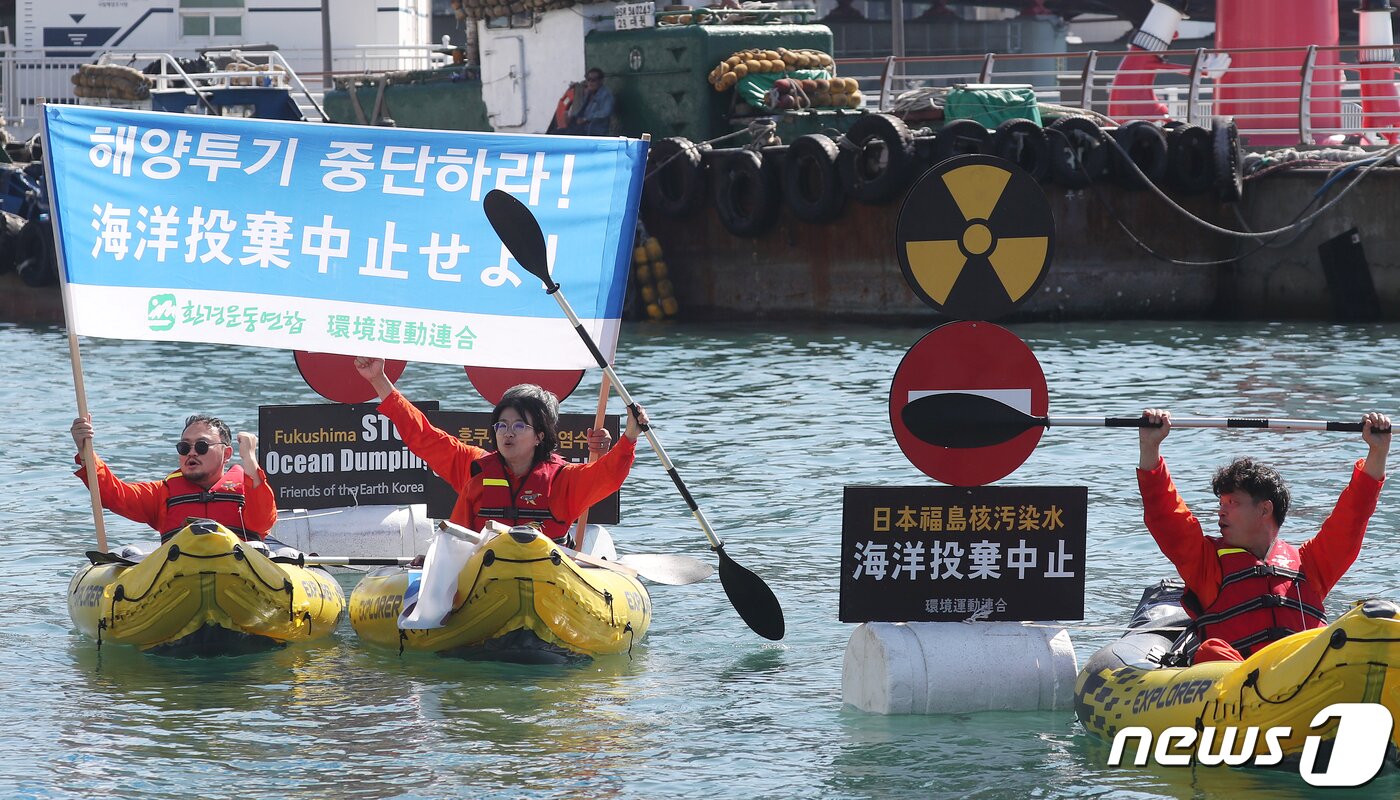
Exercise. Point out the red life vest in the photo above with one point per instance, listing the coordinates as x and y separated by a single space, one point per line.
517 505
1260 601
222 502
560 123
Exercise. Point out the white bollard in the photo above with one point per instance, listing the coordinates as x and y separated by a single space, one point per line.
958 667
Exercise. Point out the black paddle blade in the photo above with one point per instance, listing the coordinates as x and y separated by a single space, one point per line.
520 233
957 419
751 597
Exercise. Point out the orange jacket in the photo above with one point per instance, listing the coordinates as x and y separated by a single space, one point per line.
146 502
1324 558
574 488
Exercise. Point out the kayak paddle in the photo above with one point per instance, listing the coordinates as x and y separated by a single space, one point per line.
521 234
959 419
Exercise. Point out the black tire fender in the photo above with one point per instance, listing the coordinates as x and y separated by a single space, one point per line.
746 192
1229 178
1190 159
34 257
1078 152
1023 143
811 179
675 183
960 137
10 226
879 164
1145 148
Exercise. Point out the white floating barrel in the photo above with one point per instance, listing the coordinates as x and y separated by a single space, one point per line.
383 531
363 531
953 667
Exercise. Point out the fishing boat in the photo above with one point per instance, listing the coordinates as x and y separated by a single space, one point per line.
1125 685
519 598
203 592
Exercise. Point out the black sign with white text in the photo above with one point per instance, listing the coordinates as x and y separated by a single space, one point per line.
336 456
946 554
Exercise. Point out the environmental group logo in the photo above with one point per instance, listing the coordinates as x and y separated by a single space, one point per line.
160 312
1358 747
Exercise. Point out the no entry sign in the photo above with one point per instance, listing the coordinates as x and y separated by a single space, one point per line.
493 382
973 358
333 376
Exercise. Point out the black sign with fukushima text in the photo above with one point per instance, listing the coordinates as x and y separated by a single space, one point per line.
336 456
945 553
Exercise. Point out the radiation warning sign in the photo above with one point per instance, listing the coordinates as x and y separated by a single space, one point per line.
975 237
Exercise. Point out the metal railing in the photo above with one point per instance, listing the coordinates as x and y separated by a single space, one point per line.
26 75
1314 96
1307 95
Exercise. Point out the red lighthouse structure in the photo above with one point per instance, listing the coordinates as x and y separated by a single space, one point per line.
1284 68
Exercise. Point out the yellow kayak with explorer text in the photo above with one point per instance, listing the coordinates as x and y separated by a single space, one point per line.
518 598
203 592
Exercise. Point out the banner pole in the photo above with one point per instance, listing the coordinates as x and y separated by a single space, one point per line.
74 352
598 418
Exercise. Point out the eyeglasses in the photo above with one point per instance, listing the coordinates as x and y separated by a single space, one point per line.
200 447
516 427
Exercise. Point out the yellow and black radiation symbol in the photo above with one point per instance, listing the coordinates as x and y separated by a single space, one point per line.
975 237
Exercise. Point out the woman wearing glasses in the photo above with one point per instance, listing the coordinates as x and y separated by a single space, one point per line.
523 480
205 486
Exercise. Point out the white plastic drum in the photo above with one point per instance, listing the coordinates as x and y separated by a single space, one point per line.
362 531
956 667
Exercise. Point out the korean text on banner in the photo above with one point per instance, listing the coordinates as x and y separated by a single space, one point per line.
334 238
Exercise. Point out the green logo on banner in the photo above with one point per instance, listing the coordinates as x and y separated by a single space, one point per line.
160 312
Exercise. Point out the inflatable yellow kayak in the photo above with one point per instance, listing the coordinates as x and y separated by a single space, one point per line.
518 598
203 592
1356 659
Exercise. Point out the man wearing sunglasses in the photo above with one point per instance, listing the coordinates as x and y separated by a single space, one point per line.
593 110
205 486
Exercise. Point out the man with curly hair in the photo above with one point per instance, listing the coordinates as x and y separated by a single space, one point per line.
205 486
1247 587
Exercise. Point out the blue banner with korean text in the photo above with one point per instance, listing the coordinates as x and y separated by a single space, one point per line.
336 238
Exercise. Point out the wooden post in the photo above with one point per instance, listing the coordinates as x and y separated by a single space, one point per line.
74 354
598 416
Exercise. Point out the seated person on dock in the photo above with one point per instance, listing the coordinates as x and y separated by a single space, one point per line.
1247 587
523 480
236 497
592 113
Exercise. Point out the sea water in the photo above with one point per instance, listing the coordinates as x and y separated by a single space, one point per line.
765 424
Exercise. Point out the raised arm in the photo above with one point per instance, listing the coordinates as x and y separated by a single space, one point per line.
1150 439
372 370
248 452
1375 432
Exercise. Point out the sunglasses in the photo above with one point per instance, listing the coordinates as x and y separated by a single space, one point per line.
200 447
